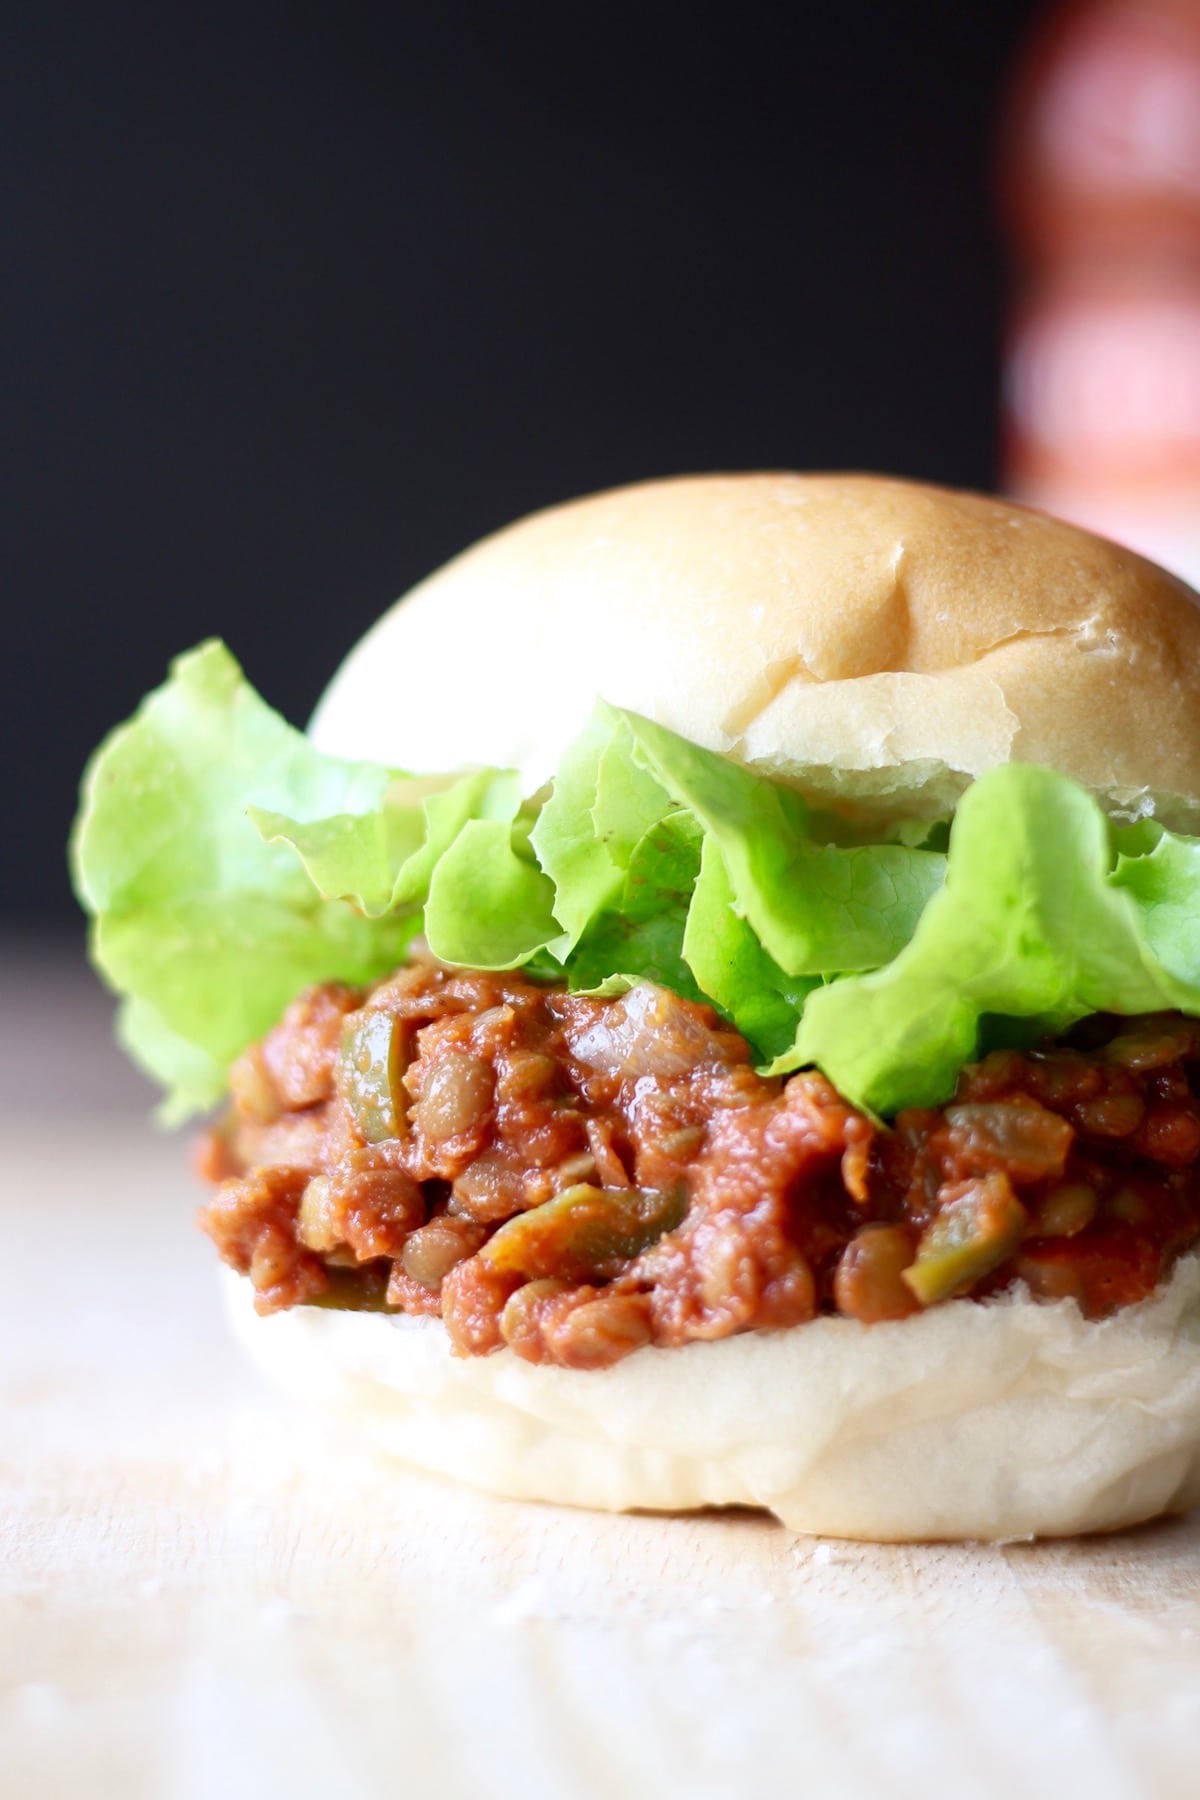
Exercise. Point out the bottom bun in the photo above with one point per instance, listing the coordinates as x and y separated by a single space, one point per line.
1001 1419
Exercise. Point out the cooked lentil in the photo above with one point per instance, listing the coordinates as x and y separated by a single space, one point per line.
377 1144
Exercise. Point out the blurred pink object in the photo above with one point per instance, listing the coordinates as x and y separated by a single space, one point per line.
1100 174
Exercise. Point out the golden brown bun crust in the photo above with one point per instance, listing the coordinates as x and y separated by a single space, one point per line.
874 641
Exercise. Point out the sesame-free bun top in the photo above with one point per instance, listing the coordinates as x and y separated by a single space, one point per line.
875 642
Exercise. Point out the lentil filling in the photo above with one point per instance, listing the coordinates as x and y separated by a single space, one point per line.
577 1177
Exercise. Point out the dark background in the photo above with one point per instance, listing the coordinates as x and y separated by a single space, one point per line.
301 299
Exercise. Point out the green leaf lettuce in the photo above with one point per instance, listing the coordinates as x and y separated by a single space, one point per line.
1040 919
204 929
228 864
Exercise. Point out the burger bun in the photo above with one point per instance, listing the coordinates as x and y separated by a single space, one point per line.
878 645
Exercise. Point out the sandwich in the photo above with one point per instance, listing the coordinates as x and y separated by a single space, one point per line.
709 1013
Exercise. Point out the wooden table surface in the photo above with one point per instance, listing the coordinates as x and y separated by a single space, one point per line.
203 1592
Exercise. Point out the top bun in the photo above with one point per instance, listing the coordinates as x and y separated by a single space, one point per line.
874 642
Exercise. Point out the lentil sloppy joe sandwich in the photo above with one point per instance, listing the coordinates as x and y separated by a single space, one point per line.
766 1068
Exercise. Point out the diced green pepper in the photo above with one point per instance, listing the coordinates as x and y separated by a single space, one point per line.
967 1240
354 1290
370 1068
584 1233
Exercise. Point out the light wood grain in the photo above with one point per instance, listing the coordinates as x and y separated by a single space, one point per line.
203 1593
